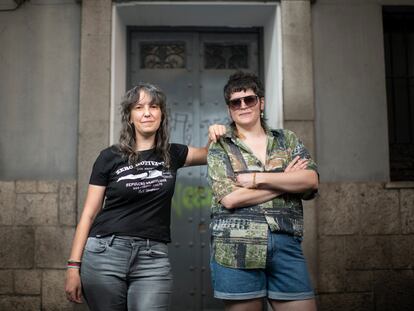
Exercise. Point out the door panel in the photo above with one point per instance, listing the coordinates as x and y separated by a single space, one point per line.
191 68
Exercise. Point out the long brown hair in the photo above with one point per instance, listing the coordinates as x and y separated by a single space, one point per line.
127 138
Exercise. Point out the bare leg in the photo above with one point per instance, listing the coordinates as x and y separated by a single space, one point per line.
244 305
293 305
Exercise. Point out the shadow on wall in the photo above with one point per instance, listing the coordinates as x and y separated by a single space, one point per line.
394 293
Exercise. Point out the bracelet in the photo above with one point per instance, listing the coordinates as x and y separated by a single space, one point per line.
73 264
254 186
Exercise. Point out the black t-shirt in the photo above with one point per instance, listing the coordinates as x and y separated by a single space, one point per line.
137 198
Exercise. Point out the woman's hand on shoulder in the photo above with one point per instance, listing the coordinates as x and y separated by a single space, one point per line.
216 131
198 156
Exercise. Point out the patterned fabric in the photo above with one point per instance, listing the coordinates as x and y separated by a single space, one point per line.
240 235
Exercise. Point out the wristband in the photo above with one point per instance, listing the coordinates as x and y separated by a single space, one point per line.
73 264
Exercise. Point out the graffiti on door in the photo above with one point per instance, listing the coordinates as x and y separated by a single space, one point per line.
188 198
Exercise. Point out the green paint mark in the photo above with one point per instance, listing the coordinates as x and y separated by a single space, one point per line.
190 197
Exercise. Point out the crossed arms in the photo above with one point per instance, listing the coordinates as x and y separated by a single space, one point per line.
248 189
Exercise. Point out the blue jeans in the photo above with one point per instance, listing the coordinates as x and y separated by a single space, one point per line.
126 273
285 276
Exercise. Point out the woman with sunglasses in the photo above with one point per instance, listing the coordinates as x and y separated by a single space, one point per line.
259 177
119 258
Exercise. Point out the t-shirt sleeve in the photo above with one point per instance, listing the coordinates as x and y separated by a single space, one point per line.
100 170
178 154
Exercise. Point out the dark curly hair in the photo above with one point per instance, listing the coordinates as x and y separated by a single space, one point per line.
243 81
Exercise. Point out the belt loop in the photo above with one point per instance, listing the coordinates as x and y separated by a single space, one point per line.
148 245
111 240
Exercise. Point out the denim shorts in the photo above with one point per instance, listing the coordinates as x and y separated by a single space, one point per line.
285 276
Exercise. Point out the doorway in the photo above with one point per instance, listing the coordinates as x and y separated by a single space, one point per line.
192 67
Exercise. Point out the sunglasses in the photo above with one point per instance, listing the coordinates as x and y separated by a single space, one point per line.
249 101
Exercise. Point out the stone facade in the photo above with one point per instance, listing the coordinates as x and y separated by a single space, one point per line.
362 234
365 247
37 223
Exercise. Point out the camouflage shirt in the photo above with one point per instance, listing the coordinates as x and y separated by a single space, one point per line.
239 235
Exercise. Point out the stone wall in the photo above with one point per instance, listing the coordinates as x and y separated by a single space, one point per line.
365 247
37 223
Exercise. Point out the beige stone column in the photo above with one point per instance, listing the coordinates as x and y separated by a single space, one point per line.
95 85
298 99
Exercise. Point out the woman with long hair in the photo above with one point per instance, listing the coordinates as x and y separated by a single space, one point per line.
119 258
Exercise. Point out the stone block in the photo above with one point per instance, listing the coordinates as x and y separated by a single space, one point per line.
47 186
6 284
19 303
331 264
338 208
53 246
402 251
349 208
407 210
67 203
98 70
96 17
368 252
346 302
27 282
26 186
80 307
93 138
297 60
36 209
386 275
7 202
53 294
17 247
393 290
310 241
379 209
358 281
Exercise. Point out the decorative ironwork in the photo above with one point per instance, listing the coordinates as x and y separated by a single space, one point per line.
161 55
226 56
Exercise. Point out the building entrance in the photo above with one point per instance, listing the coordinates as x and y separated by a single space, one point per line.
192 68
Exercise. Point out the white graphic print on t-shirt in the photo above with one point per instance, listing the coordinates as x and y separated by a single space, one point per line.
147 175
149 178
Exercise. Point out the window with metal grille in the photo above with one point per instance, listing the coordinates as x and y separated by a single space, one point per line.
399 63
163 55
226 56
